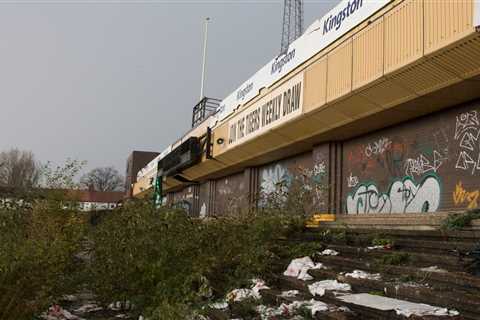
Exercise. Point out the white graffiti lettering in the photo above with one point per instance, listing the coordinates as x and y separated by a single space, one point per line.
378 147
421 164
467 131
402 197
275 179
352 181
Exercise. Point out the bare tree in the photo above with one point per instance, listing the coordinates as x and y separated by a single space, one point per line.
19 169
103 179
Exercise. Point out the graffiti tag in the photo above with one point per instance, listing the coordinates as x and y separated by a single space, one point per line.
467 131
402 196
378 147
462 196
352 181
421 164
275 179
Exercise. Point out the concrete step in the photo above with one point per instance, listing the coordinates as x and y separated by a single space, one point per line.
419 259
361 312
414 243
454 280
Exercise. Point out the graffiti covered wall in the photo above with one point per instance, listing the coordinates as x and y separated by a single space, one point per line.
184 199
231 194
303 173
425 165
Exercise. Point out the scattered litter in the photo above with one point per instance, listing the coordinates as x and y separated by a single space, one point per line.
289 293
87 308
221 305
359 274
298 268
121 305
267 313
319 288
259 284
328 252
56 312
376 248
288 310
242 294
69 298
433 269
401 307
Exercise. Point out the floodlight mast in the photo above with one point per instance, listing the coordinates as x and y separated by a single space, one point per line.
204 61
292 23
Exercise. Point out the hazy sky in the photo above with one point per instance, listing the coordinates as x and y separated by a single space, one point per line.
94 80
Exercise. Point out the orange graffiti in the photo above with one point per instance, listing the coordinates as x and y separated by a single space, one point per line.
462 196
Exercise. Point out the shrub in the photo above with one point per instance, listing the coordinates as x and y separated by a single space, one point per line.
37 258
162 260
460 221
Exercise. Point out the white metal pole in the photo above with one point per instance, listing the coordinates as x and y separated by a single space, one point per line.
204 58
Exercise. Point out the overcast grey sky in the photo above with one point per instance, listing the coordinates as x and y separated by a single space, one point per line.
94 80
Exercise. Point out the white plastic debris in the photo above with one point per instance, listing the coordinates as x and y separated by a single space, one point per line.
433 269
289 293
69 298
56 312
375 248
242 294
298 268
401 307
87 308
258 284
329 252
220 305
360 274
319 288
288 310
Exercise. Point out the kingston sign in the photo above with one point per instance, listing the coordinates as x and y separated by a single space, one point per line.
335 21
341 19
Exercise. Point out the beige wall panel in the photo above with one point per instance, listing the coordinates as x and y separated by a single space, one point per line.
368 54
305 127
446 21
403 34
339 72
387 94
424 77
315 92
332 116
462 60
356 107
220 132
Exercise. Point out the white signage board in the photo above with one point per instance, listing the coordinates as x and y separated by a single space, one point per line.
277 107
338 21
476 13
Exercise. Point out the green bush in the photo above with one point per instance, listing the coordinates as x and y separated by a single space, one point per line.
159 258
460 221
37 258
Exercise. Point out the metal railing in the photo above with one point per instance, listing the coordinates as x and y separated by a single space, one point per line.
203 109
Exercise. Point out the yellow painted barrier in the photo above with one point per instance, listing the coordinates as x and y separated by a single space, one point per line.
316 219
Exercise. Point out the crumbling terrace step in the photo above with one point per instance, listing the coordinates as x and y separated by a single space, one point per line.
451 235
440 246
363 312
466 303
455 280
451 262
272 297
